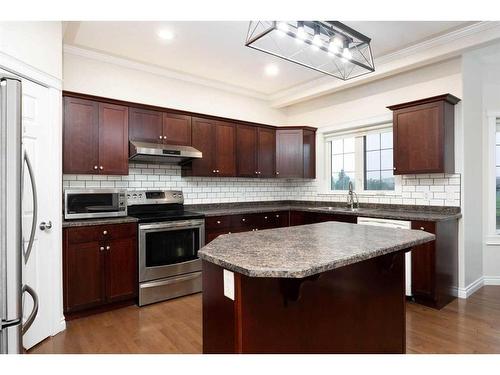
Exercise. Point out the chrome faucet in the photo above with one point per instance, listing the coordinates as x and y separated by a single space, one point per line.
351 196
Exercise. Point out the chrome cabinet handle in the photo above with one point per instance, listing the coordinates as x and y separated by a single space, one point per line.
277 173
31 318
218 221
104 232
101 248
27 251
44 225
214 171
422 228
277 215
96 167
101 167
265 217
161 137
108 247
243 219
217 171
394 168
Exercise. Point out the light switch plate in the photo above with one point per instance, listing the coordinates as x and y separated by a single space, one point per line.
228 279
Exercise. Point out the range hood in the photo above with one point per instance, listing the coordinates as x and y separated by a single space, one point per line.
160 153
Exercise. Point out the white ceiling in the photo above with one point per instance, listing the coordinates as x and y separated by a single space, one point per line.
215 50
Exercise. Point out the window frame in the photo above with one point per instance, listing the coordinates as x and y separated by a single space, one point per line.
492 233
358 133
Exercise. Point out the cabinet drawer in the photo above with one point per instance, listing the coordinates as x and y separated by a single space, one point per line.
217 222
101 232
245 221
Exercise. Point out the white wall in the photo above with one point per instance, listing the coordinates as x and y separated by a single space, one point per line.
38 44
91 76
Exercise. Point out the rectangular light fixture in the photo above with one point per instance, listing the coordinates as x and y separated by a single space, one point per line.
329 47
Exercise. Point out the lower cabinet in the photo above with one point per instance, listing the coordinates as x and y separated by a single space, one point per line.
307 217
99 266
434 265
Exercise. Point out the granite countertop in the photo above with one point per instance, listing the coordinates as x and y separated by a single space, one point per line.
99 221
386 213
301 251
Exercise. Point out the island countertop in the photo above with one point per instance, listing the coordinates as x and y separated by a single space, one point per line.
301 251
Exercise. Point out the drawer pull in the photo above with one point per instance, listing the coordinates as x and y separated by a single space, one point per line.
243 219
265 217
218 221
101 248
108 247
104 232
277 215
422 228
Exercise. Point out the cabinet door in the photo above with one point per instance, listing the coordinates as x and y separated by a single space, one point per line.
225 149
309 154
289 154
419 139
246 150
266 152
203 140
83 275
113 139
423 261
297 218
121 269
176 129
145 125
81 134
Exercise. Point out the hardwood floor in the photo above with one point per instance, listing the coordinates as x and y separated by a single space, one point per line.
463 326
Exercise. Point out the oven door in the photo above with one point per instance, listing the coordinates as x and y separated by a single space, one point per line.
170 248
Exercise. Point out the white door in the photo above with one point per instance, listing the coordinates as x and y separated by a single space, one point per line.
42 271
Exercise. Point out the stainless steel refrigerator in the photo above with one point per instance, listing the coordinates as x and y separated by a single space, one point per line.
13 253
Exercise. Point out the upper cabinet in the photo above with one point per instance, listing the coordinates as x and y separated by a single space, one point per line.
424 135
95 137
159 127
255 151
295 153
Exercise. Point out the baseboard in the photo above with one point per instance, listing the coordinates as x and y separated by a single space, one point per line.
471 288
491 280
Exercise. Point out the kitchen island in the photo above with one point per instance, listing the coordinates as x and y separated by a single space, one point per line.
322 288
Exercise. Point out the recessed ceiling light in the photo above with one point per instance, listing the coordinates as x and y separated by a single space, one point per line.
271 70
165 34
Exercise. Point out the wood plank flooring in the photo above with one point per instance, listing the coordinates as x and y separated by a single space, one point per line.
464 326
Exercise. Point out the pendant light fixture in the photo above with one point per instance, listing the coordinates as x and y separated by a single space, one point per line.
329 47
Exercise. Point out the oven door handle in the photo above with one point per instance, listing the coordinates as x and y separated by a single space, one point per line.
153 284
185 224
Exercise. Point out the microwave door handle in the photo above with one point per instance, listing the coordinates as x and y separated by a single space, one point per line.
27 250
31 318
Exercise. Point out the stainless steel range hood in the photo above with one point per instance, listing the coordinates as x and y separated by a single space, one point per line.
159 153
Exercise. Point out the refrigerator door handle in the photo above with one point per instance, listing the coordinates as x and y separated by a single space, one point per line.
27 250
31 318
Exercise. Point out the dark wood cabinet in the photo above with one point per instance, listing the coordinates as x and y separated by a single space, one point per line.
203 140
113 139
95 137
423 132
255 151
177 129
99 266
266 152
145 125
81 136
310 217
246 150
434 265
295 153
225 149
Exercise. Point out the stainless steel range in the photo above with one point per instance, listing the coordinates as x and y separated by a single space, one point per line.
169 240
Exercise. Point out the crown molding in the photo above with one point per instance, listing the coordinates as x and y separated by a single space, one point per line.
431 51
29 72
147 68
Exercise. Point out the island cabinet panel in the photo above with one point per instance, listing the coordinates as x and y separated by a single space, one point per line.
177 129
423 133
99 267
95 137
282 315
145 125
81 136
308 217
266 152
246 150
435 264
203 140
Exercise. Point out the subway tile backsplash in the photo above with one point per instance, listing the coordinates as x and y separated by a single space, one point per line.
429 189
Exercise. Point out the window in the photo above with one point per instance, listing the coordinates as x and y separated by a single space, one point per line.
378 171
343 170
363 158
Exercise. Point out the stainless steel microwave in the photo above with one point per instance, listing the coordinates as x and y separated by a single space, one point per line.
94 203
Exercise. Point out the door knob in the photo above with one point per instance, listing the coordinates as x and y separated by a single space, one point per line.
101 248
101 167
108 247
95 167
44 225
